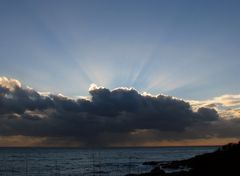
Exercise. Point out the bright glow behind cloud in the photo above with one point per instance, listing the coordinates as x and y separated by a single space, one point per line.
112 117
227 105
152 49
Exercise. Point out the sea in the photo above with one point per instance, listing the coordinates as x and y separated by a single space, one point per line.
88 162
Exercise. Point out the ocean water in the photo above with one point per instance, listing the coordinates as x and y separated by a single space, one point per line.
88 162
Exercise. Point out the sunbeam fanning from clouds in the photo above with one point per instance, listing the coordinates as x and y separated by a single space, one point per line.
133 54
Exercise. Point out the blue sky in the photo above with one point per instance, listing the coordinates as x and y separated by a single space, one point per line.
188 49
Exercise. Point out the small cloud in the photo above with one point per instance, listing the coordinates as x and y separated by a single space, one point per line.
226 105
93 87
228 100
9 83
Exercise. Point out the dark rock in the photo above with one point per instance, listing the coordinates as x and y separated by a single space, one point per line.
225 161
151 163
157 171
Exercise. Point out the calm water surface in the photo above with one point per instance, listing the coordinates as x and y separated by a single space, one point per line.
88 162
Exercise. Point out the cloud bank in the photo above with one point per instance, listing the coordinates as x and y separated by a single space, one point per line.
122 116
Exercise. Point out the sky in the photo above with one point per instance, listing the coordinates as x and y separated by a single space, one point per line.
112 63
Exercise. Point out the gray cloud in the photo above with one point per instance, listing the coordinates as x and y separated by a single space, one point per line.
107 117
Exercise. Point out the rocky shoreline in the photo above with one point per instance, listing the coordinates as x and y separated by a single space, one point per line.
224 161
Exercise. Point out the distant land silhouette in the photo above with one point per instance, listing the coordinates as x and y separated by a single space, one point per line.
224 161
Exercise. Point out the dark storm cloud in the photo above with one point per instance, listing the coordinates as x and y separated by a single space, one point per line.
108 115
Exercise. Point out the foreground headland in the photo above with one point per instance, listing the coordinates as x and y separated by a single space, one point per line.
224 161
